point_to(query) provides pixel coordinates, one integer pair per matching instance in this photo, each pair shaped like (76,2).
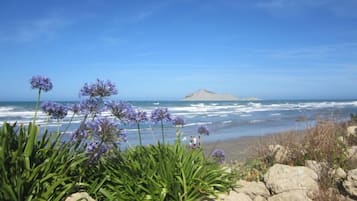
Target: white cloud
(34,29)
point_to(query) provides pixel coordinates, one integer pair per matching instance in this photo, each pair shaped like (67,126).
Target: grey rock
(297,195)
(351,131)
(315,166)
(284,178)
(350,184)
(79,196)
(253,189)
(338,174)
(352,153)
(279,153)
(234,196)
(260,198)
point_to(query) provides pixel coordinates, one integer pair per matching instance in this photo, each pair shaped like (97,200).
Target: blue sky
(164,50)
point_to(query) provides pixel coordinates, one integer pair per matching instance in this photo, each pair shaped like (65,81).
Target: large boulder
(283,178)
(297,195)
(260,198)
(234,196)
(350,184)
(79,196)
(253,189)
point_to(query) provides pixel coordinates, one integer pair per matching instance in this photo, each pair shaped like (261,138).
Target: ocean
(225,119)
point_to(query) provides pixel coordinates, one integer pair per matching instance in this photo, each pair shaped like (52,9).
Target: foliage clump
(35,164)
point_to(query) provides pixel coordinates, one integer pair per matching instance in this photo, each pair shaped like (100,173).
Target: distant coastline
(206,95)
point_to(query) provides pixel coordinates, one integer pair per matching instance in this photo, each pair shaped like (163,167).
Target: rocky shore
(300,183)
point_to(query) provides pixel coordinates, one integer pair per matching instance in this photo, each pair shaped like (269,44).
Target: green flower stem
(178,134)
(47,122)
(37,105)
(69,123)
(58,126)
(141,144)
(162,132)
(200,142)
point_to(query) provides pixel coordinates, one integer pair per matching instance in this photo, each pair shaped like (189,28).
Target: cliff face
(205,95)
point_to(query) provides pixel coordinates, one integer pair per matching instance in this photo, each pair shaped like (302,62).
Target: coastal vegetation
(328,148)
(37,164)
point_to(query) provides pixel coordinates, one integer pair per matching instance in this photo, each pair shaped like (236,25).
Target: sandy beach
(239,149)
(243,148)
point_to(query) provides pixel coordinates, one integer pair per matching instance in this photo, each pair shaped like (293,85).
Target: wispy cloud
(144,12)
(339,8)
(34,29)
(279,4)
(112,40)
(311,52)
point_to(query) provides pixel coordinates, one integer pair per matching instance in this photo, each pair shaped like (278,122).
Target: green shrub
(164,172)
(39,169)
(32,169)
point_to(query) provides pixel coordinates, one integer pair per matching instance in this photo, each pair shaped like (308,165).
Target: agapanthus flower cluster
(178,121)
(104,129)
(100,88)
(55,110)
(219,155)
(160,114)
(120,110)
(91,106)
(75,108)
(42,83)
(203,130)
(138,116)
(95,150)
(79,134)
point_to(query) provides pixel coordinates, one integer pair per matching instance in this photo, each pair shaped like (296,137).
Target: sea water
(225,119)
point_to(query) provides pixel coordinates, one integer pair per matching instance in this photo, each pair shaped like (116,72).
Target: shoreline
(243,148)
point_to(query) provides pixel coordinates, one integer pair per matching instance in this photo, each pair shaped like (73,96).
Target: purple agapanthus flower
(55,110)
(42,83)
(95,150)
(78,135)
(138,116)
(219,155)
(103,128)
(75,108)
(178,121)
(100,88)
(203,130)
(121,110)
(160,114)
(91,106)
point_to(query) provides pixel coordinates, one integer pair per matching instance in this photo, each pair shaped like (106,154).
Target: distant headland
(205,95)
